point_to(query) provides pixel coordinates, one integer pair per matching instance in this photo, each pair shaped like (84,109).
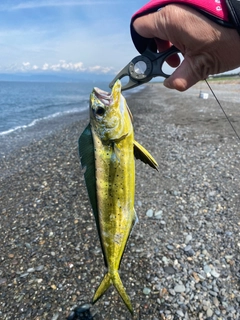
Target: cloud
(61,66)
(99,69)
(26,64)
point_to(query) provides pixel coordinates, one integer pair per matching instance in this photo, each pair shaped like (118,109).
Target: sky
(74,36)
(66,35)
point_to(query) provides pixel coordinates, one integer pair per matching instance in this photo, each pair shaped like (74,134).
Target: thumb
(191,70)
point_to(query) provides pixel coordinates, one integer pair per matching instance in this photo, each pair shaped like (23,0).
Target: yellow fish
(107,149)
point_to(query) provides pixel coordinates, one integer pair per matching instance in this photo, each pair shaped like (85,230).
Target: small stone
(189,251)
(196,277)
(51,234)
(188,238)
(165,260)
(215,274)
(55,316)
(179,288)
(213,293)
(184,219)
(169,270)
(172,292)
(209,312)
(39,268)
(3,281)
(202,276)
(39,280)
(180,313)
(205,253)
(158,215)
(216,302)
(53,286)
(170,247)
(139,203)
(31,270)
(146,291)
(206,304)
(207,269)
(163,292)
(24,275)
(187,248)
(149,213)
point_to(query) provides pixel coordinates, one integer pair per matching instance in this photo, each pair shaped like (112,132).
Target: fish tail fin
(113,278)
(104,285)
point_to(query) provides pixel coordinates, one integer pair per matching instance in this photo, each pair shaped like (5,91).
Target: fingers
(192,69)
(162,45)
(182,78)
(146,26)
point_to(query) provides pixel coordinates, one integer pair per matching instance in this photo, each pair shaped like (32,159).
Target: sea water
(23,104)
(30,110)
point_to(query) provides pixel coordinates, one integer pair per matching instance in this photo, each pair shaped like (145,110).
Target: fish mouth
(104,96)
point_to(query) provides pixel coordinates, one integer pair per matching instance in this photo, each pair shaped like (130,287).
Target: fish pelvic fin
(113,278)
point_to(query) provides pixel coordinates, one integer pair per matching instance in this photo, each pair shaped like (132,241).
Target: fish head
(109,114)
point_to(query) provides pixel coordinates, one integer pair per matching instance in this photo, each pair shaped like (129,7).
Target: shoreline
(42,128)
(182,258)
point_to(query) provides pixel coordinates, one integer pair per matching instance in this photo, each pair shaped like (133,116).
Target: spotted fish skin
(112,189)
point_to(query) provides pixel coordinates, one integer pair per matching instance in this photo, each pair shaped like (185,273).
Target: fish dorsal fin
(142,154)
(86,153)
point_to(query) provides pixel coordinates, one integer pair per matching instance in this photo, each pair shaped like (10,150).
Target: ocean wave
(35,121)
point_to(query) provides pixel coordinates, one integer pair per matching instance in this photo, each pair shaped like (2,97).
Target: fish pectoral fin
(142,154)
(113,278)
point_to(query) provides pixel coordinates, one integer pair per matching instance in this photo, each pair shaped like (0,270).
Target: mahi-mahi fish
(107,149)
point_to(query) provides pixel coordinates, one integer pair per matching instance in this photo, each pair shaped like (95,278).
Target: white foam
(35,121)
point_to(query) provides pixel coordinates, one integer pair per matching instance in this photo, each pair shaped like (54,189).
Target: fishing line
(223,110)
(225,116)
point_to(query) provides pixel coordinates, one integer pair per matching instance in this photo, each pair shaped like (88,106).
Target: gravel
(182,259)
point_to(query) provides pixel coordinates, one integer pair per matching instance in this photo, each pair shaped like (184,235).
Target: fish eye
(100,111)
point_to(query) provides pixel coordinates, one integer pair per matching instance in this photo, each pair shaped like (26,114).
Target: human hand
(207,47)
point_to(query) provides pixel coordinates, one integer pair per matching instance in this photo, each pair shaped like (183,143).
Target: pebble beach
(182,260)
